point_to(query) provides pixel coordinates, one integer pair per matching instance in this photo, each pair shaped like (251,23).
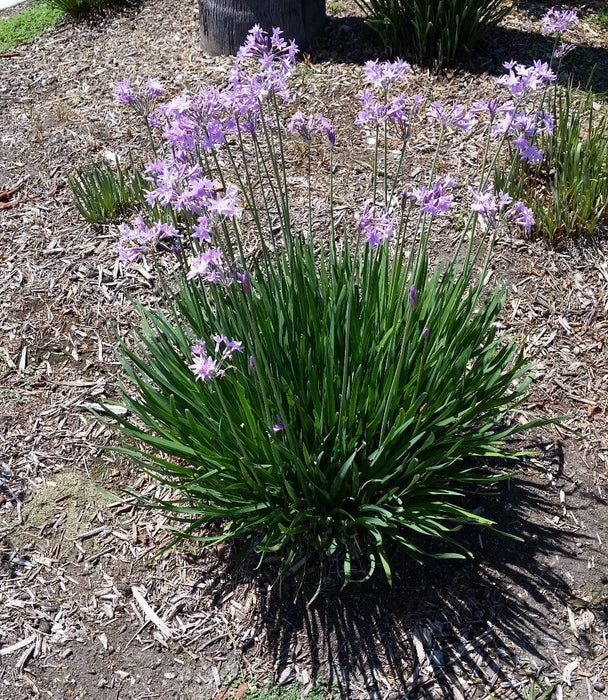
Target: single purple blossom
(205,367)
(521,79)
(153,89)
(201,229)
(209,265)
(227,204)
(269,50)
(413,297)
(372,110)
(123,93)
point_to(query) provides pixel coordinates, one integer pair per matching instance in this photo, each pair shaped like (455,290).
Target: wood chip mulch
(85,608)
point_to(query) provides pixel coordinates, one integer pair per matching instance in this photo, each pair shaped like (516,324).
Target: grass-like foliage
(568,188)
(77,8)
(103,193)
(330,393)
(558,144)
(27,25)
(602,18)
(433,31)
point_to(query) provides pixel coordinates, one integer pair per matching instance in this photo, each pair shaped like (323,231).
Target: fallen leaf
(591,410)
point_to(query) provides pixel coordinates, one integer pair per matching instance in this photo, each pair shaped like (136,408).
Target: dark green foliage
(382,424)
(433,31)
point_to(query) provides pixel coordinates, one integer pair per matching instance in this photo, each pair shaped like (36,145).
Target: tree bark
(225,23)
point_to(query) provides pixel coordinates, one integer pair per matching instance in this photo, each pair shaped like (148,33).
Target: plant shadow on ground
(499,605)
(349,40)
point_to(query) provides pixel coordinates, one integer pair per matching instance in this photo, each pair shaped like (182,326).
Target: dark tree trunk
(225,23)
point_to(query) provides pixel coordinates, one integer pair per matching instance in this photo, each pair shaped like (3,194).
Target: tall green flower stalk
(327,394)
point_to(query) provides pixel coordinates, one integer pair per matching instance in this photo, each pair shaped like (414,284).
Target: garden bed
(84,608)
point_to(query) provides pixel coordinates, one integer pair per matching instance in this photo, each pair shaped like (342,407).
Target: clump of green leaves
(602,18)
(331,395)
(433,31)
(79,7)
(568,190)
(102,193)
(27,25)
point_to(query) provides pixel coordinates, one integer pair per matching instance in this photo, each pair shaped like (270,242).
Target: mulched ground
(85,611)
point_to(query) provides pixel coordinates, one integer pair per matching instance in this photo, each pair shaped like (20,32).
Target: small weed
(335,6)
(26,26)
(602,18)
(291,693)
(78,8)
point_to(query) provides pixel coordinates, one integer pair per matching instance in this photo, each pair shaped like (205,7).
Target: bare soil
(85,608)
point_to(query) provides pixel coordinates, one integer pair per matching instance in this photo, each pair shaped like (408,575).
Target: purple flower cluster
(451,115)
(558,21)
(384,75)
(209,265)
(397,111)
(139,238)
(522,79)
(494,208)
(201,122)
(433,200)
(376,225)
(141,100)
(522,127)
(206,367)
(268,49)
(310,126)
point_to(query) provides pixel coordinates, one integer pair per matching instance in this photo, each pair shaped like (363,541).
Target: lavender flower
(558,21)
(201,230)
(206,367)
(489,205)
(227,204)
(562,49)
(521,79)
(451,115)
(376,224)
(139,238)
(143,100)
(372,110)
(268,50)
(208,265)
(153,89)
(124,94)
(522,216)
(310,126)
(383,75)
(434,200)
(413,297)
